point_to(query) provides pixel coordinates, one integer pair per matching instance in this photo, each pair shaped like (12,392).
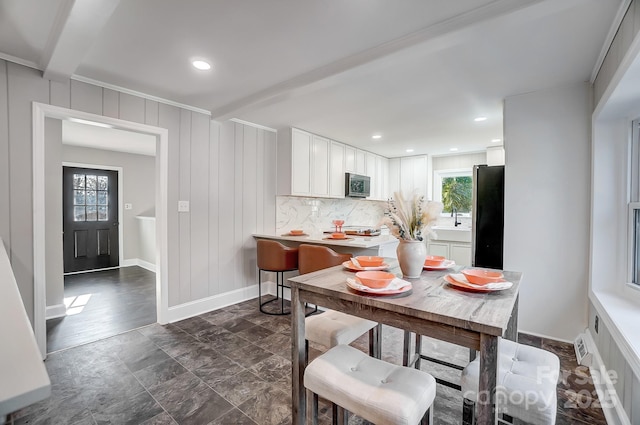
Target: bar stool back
(277,258)
(333,328)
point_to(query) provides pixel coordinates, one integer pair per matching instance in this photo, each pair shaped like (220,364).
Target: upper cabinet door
(349,159)
(300,162)
(320,166)
(336,170)
(361,165)
(372,172)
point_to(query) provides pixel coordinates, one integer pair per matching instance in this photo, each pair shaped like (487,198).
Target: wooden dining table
(432,308)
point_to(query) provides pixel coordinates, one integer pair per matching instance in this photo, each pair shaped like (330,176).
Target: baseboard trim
(611,404)
(55,311)
(140,263)
(205,305)
(555,338)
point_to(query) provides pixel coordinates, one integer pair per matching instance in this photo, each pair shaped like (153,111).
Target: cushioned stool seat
(373,389)
(526,386)
(333,328)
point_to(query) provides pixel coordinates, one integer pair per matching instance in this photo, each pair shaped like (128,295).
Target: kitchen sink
(455,234)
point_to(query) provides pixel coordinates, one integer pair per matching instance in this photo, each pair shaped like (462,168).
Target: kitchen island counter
(383,245)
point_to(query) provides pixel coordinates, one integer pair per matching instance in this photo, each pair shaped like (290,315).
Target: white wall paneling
(187,151)
(199,207)
(131,108)
(24,86)
(548,153)
(249,209)
(227,194)
(184,194)
(214,208)
(5,206)
(169,118)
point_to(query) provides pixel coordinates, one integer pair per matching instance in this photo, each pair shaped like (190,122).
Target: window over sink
(454,188)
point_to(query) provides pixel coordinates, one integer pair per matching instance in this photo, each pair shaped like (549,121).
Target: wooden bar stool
(333,328)
(377,391)
(277,258)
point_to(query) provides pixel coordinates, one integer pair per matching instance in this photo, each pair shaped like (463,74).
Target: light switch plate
(183,206)
(128,206)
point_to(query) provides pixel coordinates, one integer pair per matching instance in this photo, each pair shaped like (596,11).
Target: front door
(90,219)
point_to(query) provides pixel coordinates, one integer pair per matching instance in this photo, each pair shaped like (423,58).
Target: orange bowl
(338,235)
(482,276)
(370,261)
(375,279)
(434,260)
(296,232)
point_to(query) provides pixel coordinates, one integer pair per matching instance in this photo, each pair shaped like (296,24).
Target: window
(454,188)
(90,197)
(634,207)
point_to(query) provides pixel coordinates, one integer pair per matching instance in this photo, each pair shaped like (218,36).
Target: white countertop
(23,377)
(357,241)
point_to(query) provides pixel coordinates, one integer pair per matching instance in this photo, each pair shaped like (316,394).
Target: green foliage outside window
(456,193)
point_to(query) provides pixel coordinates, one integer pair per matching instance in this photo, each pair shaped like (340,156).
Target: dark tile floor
(232,366)
(104,303)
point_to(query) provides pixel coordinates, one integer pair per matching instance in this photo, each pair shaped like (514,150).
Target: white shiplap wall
(226,170)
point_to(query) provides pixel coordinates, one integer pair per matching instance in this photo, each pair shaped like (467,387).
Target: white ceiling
(416,71)
(111,139)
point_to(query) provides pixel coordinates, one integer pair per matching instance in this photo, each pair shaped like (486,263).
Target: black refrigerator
(487,224)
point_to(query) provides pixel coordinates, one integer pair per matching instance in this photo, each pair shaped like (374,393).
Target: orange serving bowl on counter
(370,261)
(296,232)
(375,279)
(338,235)
(434,260)
(482,276)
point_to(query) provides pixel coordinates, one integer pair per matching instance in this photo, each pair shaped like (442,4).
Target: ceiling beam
(293,86)
(75,29)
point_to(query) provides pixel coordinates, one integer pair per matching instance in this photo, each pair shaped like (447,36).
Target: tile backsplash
(314,215)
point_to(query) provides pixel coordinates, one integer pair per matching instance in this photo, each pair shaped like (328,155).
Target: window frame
(439,175)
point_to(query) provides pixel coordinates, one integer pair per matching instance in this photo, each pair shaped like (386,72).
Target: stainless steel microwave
(357,186)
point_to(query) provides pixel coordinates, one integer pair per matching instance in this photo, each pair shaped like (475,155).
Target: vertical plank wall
(226,170)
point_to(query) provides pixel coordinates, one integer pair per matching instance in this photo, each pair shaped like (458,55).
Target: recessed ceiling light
(377,136)
(496,140)
(479,119)
(409,150)
(201,65)
(93,123)
(453,149)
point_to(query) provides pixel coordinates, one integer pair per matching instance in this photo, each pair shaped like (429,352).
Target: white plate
(349,265)
(446,264)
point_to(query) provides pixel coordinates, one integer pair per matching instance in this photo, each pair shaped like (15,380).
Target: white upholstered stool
(373,389)
(526,386)
(333,328)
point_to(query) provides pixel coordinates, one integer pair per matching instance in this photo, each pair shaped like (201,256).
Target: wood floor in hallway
(102,304)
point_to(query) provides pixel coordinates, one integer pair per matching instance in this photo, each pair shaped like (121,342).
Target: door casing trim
(42,111)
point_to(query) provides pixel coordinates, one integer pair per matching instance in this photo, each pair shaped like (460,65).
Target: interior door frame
(120,202)
(42,111)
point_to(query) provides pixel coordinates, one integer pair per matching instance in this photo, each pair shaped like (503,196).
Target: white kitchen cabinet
(300,162)
(394,176)
(460,253)
(337,169)
(438,248)
(349,159)
(372,171)
(384,178)
(409,173)
(320,166)
(361,163)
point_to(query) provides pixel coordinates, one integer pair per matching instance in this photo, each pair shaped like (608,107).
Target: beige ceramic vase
(411,256)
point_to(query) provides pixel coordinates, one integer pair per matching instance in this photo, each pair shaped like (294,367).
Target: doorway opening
(47,253)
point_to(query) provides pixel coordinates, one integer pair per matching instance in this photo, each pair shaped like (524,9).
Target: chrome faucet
(456,223)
